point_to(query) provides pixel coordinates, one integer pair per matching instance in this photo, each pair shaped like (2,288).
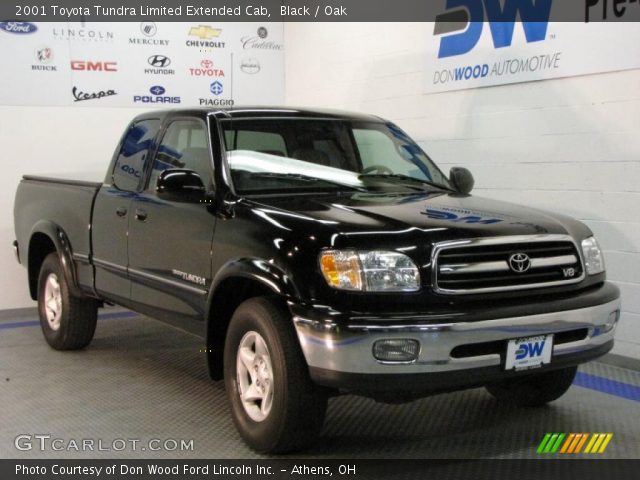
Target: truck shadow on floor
(461,424)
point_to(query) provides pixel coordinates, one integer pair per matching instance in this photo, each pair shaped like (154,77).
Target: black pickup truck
(317,253)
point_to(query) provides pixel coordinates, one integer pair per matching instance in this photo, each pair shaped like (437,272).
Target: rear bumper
(339,352)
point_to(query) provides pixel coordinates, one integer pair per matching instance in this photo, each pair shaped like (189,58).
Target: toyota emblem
(519,262)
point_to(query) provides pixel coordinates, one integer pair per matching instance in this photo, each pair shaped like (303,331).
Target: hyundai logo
(157,90)
(160,61)
(519,262)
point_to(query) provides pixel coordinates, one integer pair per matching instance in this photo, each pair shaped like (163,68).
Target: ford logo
(18,27)
(157,90)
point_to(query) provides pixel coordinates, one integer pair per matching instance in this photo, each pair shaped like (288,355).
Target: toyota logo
(519,262)
(159,61)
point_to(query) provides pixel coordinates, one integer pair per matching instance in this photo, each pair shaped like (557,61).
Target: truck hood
(444,216)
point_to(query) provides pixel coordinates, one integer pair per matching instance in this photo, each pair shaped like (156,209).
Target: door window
(184,146)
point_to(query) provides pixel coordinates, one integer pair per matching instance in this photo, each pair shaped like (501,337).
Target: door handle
(141,214)
(121,211)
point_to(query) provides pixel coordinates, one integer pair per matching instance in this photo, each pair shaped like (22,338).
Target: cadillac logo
(519,262)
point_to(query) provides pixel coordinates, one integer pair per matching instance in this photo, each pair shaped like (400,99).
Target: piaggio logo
(94,66)
(573,443)
(468,16)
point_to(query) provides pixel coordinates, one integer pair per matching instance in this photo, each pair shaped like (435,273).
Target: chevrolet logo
(205,32)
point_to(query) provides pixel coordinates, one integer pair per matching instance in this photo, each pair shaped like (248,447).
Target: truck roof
(261,111)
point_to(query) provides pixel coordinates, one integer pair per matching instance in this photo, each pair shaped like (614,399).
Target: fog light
(611,323)
(400,350)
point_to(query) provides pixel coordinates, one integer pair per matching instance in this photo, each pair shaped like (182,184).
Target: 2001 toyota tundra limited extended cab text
(317,253)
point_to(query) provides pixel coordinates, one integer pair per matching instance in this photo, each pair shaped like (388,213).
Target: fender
(269,276)
(61,241)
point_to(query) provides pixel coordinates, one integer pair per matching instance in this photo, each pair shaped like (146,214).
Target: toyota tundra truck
(316,253)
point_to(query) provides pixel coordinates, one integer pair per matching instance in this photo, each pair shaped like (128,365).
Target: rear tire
(534,390)
(68,322)
(274,404)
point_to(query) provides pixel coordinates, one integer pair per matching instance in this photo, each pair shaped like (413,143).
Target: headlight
(593,259)
(371,271)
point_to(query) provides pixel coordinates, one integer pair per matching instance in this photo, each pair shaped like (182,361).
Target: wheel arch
(237,281)
(47,237)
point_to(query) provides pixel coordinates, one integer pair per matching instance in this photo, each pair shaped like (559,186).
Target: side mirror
(461,179)
(180,184)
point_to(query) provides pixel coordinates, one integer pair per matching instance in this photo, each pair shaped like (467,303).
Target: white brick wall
(571,145)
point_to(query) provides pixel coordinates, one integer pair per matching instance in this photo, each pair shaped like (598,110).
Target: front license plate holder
(529,352)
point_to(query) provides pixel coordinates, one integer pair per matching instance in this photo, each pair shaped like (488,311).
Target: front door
(170,239)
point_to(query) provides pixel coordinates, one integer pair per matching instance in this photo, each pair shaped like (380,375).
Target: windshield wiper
(405,178)
(300,177)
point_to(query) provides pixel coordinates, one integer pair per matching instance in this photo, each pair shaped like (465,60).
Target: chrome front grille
(505,263)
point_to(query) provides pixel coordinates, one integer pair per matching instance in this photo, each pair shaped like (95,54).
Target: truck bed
(66,205)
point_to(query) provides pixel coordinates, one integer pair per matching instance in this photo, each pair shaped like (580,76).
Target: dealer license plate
(529,352)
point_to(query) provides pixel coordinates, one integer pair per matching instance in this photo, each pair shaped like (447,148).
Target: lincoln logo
(519,262)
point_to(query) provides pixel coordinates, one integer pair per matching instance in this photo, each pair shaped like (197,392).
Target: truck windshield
(268,156)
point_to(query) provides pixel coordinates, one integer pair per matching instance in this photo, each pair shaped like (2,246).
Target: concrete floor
(140,379)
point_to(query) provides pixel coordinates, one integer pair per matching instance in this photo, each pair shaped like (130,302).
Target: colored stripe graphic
(574,443)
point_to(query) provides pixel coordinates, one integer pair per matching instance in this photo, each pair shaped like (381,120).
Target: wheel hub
(255,376)
(53,301)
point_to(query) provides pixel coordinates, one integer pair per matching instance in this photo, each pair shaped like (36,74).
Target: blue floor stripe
(35,323)
(605,385)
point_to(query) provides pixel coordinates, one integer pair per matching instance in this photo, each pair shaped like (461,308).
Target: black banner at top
(449,14)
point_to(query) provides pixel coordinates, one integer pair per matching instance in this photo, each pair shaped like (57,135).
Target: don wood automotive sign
(480,43)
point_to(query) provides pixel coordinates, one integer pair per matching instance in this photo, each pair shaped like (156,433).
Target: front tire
(534,390)
(68,322)
(274,404)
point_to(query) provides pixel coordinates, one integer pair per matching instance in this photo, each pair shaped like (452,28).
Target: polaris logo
(468,16)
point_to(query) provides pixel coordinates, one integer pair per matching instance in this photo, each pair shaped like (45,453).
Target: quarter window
(129,167)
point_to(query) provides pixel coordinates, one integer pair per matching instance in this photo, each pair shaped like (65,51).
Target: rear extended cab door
(170,237)
(112,210)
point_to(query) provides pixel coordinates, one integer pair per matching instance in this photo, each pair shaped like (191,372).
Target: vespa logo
(529,350)
(468,17)
(519,262)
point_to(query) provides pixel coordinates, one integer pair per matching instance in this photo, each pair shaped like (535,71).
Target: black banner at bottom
(543,469)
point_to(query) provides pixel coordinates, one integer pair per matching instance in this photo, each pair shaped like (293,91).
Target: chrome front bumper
(349,348)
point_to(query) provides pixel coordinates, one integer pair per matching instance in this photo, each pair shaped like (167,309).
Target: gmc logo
(94,66)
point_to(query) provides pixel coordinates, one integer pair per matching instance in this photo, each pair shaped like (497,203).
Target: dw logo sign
(469,15)
(529,350)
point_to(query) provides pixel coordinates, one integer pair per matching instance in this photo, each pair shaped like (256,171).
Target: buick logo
(159,61)
(519,262)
